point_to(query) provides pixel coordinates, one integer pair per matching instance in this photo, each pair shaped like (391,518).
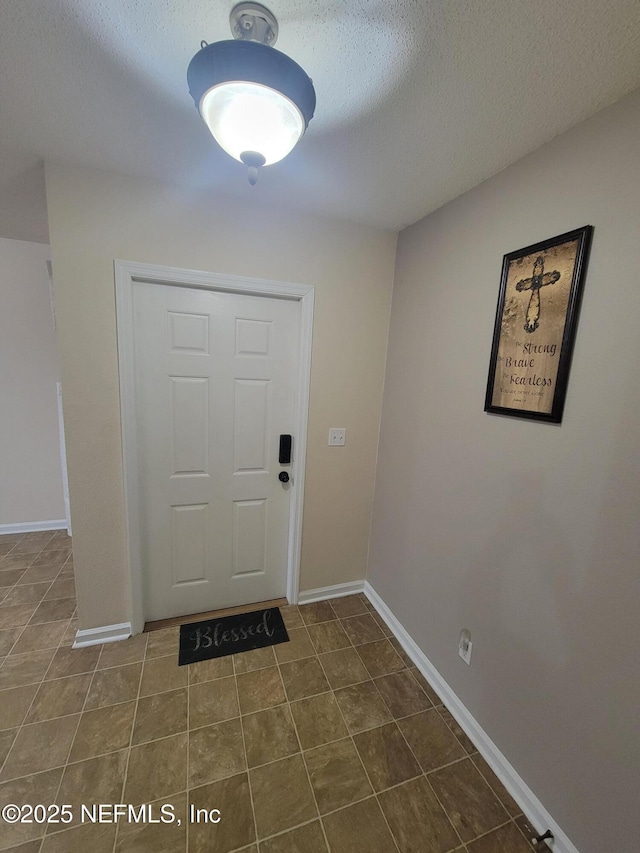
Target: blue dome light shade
(252,98)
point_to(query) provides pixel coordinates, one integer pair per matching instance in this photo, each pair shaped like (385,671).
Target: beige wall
(95,217)
(30,468)
(525,533)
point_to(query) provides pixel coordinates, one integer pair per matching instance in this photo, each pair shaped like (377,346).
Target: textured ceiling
(417,100)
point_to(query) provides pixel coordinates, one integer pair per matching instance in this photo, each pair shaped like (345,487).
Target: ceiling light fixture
(255,100)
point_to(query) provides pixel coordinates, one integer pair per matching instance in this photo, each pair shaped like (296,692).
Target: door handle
(283,477)
(284,456)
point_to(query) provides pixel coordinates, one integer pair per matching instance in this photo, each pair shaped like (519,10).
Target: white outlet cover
(337,436)
(465,653)
(465,646)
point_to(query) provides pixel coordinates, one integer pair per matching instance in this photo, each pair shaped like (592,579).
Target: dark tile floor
(331,742)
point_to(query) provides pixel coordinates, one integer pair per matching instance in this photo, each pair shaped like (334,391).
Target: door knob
(283,477)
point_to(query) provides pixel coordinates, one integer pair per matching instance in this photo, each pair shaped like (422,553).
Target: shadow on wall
(562,658)
(23,203)
(606,665)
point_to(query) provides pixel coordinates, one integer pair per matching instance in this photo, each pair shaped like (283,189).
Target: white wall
(95,217)
(30,471)
(526,533)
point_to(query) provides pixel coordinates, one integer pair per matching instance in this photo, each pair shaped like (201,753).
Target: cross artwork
(539,279)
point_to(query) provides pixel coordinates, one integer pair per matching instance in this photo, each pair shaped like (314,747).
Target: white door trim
(126,274)
(63,459)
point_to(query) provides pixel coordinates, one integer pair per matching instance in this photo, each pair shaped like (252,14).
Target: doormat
(229,635)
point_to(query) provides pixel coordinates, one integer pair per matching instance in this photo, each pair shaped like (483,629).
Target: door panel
(189,425)
(250,426)
(249,537)
(189,543)
(215,388)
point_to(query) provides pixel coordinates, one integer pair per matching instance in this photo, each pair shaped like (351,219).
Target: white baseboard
(34,526)
(336,591)
(531,806)
(106,634)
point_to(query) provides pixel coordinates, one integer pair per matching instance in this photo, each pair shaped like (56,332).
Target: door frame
(127,273)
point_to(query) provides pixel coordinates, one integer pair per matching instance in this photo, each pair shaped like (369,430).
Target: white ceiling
(418,100)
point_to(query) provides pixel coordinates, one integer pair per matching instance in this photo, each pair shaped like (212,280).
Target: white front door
(215,384)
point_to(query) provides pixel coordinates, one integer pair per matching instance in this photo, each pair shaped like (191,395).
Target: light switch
(337,436)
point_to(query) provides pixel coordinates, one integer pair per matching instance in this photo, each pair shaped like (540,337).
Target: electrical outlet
(337,437)
(465,646)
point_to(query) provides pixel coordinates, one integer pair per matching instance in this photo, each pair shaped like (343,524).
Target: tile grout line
(357,752)
(29,562)
(36,604)
(353,743)
(422,774)
(257,766)
(495,793)
(246,754)
(304,763)
(79,717)
(285,831)
(63,716)
(488,832)
(24,723)
(425,775)
(451,764)
(17,583)
(133,726)
(288,702)
(522,832)
(22,627)
(330,690)
(42,679)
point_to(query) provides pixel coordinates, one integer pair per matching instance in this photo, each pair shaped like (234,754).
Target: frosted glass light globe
(245,116)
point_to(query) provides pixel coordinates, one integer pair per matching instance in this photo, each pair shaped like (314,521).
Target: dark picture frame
(538,305)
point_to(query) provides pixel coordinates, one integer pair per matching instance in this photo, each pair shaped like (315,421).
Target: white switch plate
(337,437)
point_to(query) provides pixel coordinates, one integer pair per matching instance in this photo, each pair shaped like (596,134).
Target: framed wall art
(535,327)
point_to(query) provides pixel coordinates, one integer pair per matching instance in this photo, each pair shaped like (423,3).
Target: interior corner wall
(526,533)
(30,467)
(95,217)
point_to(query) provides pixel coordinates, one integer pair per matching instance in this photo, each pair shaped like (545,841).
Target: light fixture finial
(253,160)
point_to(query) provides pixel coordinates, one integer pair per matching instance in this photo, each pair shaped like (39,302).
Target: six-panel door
(215,388)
